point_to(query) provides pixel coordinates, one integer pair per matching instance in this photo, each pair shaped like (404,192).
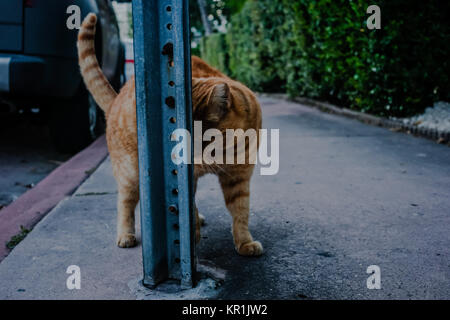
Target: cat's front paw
(253,248)
(126,240)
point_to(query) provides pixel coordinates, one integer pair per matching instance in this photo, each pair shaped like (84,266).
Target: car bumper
(38,76)
(4,73)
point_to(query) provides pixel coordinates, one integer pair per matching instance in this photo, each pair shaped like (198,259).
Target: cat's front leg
(236,191)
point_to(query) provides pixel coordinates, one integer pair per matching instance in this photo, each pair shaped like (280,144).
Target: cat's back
(200,69)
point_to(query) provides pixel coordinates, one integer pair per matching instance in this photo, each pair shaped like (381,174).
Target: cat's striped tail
(93,76)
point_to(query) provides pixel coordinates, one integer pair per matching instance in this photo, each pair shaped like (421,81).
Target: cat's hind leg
(236,191)
(127,200)
(199,218)
(127,178)
(197,225)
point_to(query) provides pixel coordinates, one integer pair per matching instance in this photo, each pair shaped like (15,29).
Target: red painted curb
(33,205)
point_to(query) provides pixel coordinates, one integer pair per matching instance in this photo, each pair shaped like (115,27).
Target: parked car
(39,65)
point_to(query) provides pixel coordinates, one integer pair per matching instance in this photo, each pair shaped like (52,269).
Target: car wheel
(75,123)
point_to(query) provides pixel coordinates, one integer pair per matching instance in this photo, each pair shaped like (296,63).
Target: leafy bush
(214,49)
(323,49)
(254,48)
(398,70)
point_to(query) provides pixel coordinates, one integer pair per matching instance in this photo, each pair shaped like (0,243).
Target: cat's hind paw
(126,240)
(201,219)
(253,248)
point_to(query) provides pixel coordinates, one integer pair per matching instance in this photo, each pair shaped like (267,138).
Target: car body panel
(38,55)
(11,12)
(11,26)
(11,38)
(34,76)
(45,29)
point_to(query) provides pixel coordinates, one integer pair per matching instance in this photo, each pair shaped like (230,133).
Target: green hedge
(214,50)
(254,45)
(323,49)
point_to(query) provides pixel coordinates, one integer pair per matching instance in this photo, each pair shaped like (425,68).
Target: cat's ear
(218,102)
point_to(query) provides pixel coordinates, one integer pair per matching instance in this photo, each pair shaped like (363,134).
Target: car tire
(76,122)
(119,77)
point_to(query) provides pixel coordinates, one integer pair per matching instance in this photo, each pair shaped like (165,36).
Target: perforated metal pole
(163,104)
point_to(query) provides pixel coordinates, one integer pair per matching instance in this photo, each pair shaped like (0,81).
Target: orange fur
(217,100)
(200,69)
(95,80)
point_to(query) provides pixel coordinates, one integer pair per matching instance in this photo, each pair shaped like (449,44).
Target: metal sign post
(163,104)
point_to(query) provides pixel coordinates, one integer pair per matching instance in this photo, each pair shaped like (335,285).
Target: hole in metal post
(175,191)
(169,26)
(174,172)
(168,51)
(168,8)
(170,102)
(176,241)
(176,226)
(173,120)
(177,260)
(173,208)
(171,83)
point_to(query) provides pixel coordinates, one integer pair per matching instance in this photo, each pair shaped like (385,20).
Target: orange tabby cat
(217,101)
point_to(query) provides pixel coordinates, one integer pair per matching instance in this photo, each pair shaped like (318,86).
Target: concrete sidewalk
(347,196)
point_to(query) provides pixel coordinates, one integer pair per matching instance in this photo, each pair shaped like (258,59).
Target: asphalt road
(347,196)
(26,154)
